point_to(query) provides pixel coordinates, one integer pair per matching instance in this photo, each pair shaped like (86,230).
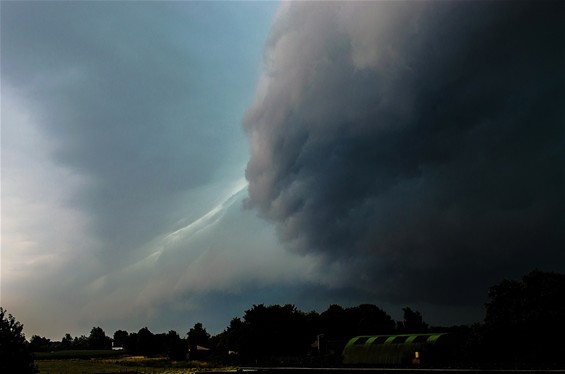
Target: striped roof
(395,339)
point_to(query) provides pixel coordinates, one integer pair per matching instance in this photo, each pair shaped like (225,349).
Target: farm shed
(401,349)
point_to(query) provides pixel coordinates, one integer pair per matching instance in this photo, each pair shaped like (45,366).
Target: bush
(15,356)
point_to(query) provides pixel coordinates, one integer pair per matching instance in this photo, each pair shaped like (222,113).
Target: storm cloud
(417,146)
(406,153)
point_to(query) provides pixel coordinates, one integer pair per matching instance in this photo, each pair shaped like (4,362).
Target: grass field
(128,364)
(76,354)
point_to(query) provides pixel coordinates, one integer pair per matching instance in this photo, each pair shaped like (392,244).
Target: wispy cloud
(211,217)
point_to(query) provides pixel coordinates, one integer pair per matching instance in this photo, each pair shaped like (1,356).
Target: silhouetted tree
(198,336)
(176,346)
(368,319)
(130,343)
(145,342)
(39,344)
(67,341)
(15,356)
(334,324)
(274,331)
(523,319)
(234,338)
(80,342)
(120,337)
(98,339)
(412,323)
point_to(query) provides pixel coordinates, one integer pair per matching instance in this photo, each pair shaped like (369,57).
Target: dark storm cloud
(419,145)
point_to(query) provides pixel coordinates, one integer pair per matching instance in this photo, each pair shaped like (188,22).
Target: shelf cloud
(417,144)
(167,163)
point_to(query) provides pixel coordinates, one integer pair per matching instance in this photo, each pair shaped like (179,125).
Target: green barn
(393,350)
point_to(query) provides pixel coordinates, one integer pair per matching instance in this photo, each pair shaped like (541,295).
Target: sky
(167,163)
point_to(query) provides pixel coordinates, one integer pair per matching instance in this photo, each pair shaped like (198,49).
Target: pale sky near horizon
(167,163)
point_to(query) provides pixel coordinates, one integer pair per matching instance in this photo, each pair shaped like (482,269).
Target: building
(397,350)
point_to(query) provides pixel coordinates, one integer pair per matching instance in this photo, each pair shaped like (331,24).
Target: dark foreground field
(142,365)
(109,362)
(386,371)
(125,364)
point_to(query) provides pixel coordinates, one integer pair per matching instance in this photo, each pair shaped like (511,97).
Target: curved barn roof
(387,349)
(395,339)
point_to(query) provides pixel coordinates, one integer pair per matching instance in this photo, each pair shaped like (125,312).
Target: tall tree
(198,336)
(67,341)
(15,356)
(39,344)
(120,337)
(523,319)
(341,324)
(145,344)
(81,342)
(276,330)
(98,339)
(334,324)
(413,322)
(234,337)
(176,346)
(368,319)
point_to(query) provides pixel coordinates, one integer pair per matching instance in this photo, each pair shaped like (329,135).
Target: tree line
(288,331)
(521,326)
